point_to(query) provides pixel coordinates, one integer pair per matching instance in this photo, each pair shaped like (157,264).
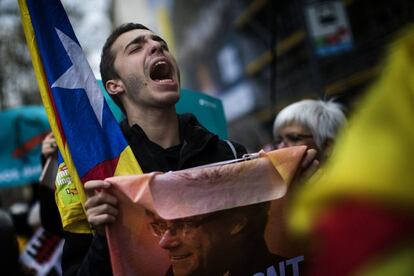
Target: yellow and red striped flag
(361,209)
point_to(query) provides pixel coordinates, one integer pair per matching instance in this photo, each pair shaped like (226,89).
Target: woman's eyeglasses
(292,138)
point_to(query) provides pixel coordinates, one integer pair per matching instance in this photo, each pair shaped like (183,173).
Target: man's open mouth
(161,71)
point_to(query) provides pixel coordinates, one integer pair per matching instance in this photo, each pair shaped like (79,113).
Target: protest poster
(207,220)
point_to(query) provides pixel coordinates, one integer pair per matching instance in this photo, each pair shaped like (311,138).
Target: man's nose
(169,240)
(155,47)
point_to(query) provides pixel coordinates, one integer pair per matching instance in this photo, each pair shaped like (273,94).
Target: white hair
(322,118)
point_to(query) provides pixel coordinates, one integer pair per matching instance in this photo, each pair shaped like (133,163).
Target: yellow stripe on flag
(127,163)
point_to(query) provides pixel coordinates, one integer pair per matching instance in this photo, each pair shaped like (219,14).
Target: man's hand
(101,207)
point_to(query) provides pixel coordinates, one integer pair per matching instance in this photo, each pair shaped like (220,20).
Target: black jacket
(85,254)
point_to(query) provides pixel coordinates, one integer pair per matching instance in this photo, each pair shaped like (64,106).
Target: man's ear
(115,87)
(239,222)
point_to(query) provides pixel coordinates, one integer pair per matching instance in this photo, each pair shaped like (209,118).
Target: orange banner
(208,220)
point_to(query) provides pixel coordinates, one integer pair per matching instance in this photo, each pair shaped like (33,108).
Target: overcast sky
(90,20)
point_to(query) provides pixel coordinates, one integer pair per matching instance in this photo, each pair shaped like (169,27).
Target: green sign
(208,110)
(22,132)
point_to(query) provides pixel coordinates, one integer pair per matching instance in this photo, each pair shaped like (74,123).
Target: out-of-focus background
(257,56)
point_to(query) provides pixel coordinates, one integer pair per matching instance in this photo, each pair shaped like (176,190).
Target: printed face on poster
(206,220)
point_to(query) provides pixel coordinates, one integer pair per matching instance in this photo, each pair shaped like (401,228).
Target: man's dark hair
(258,217)
(107,58)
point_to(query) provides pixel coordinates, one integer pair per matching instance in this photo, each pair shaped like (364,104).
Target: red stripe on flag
(101,171)
(353,233)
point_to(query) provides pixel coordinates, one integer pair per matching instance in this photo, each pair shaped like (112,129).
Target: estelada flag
(87,134)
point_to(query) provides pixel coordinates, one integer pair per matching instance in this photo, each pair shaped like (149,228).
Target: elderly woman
(313,123)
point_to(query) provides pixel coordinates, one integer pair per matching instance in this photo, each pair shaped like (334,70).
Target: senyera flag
(87,134)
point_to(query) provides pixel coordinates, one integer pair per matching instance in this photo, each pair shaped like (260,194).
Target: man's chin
(165,86)
(188,269)
(187,264)
(168,102)
(184,268)
(169,99)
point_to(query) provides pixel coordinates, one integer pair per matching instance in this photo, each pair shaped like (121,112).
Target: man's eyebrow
(158,38)
(138,40)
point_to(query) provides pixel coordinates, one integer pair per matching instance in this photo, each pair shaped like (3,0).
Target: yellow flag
(374,157)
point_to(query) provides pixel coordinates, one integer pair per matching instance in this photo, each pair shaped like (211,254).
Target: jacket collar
(193,136)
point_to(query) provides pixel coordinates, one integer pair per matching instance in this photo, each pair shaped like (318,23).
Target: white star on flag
(79,75)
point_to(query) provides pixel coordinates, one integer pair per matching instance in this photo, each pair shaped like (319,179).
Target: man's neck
(160,126)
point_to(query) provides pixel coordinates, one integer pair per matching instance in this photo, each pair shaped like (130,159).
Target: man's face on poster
(197,245)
